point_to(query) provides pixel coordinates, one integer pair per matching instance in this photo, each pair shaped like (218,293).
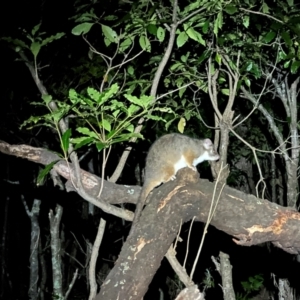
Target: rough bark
(112,193)
(226,274)
(237,214)
(248,219)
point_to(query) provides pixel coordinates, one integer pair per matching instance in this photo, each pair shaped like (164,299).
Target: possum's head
(208,152)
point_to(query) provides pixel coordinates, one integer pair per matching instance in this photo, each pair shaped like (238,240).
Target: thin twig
(263,14)
(212,209)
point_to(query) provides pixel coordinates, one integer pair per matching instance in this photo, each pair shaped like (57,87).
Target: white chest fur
(201,158)
(181,163)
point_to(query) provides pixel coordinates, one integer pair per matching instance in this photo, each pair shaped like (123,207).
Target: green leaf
(144,43)
(181,39)
(57,115)
(115,105)
(204,56)
(152,29)
(168,124)
(125,44)
(65,140)
(144,101)
(116,112)
(130,128)
(249,66)
(221,79)
(133,99)
(82,141)
(44,172)
(86,131)
(86,17)
(111,18)
(218,59)
(286,64)
(85,101)
(106,125)
(73,96)
(181,92)
(160,34)
(82,28)
(181,124)
(184,58)
(205,27)
(155,118)
(225,92)
(256,70)
(230,9)
(100,146)
(195,35)
(295,66)
(269,37)
(35,29)
(164,109)
(247,82)
(216,29)
(191,7)
(231,36)
(16,42)
(35,48)
(94,94)
(282,55)
(287,39)
(265,8)
(218,23)
(109,33)
(47,98)
(176,66)
(109,93)
(188,114)
(107,42)
(130,70)
(52,38)
(110,134)
(133,109)
(246,21)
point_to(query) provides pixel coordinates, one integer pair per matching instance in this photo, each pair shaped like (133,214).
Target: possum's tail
(138,210)
(146,189)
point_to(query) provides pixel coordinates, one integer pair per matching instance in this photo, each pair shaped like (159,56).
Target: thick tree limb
(248,219)
(251,220)
(112,193)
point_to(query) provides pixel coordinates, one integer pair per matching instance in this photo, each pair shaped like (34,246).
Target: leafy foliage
(102,118)
(252,285)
